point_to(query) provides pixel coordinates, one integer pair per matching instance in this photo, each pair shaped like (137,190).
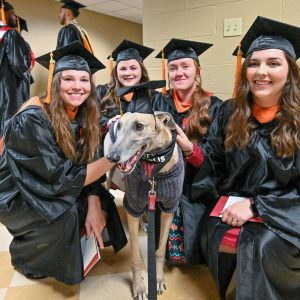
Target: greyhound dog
(139,135)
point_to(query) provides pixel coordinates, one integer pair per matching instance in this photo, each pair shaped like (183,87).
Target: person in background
(253,153)
(49,168)
(21,24)
(71,31)
(193,109)
(129,70)
(14,66)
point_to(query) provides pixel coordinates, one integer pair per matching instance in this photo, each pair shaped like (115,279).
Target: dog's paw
(161,286)
(139,291)
(138,287)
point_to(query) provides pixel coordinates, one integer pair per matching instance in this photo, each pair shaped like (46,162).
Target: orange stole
(264,115)
(181,107)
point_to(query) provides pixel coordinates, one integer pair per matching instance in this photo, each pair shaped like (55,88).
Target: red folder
(221,204)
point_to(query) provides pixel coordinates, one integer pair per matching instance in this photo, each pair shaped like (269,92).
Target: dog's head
(138,133)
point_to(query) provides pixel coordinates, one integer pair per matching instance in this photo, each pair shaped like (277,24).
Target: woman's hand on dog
(182,140)
(95,220)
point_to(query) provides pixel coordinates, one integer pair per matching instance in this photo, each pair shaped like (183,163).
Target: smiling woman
(51,159)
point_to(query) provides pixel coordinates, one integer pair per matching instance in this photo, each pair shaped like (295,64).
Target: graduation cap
(270,34)
(74,56)
(264,34)
(21,24)
(176,49)
(4,6)
(141,102)
(130,50)
(73,6)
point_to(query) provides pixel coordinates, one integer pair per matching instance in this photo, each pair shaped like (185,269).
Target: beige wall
(202,20)
(42,19)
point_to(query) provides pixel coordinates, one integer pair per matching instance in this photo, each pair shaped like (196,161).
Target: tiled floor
(110,279)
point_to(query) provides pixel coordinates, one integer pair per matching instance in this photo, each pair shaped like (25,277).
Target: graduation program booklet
(226,201)
(90,252)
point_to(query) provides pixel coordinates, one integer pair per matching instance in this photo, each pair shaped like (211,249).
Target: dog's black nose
(113,157)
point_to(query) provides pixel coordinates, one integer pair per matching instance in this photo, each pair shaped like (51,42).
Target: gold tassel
(110,65)
(163,70)
(50,78)
(238,70)
(3,17)
(18,25)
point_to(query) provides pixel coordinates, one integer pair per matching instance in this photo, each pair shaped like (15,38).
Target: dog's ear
(166,119)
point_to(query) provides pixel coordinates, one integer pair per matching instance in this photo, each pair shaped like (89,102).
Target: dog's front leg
(138,287)
(165,223)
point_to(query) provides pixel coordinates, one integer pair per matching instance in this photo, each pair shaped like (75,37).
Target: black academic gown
(43,201)
(191,212)
(68,34)
(268,257)
(14,83)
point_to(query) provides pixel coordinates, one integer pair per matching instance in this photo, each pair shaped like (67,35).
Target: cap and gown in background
(42,190)
(21,24)
(14,68)
(71,31)
(257,172)
(126,50)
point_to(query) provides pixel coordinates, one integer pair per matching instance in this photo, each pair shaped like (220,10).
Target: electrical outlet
(233,27)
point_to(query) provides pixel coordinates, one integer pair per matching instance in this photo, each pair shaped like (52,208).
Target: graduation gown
(268,257)
(188,214)
(68,34)
(14,82)
(43,201)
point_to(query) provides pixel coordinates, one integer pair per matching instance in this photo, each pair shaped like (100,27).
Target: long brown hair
(111,99)
(89,115)
(198,120)
(285,136)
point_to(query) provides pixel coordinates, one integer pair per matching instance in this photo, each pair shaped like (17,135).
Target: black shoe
(34,276)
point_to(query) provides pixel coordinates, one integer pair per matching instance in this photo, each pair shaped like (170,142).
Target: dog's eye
(139,127)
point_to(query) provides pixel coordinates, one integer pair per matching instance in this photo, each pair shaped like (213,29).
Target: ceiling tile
(108,6)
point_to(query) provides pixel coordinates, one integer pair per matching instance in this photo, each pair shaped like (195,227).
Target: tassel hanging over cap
(18,25)
(50,78)
(3,17)
(163,70)
(238,70)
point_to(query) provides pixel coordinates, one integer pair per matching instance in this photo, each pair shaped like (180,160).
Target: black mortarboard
(7,6)
(74,56)
(130,50)
(141,102)
(72,5)
(22,24)
(177,49)
(270,34)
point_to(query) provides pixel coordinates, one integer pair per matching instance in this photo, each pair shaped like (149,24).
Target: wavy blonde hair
(285,136)
(198,120)
(89,115)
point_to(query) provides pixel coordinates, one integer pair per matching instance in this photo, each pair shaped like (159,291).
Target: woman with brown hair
(51,157)
(193,109)
(252,157)
(128,71)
